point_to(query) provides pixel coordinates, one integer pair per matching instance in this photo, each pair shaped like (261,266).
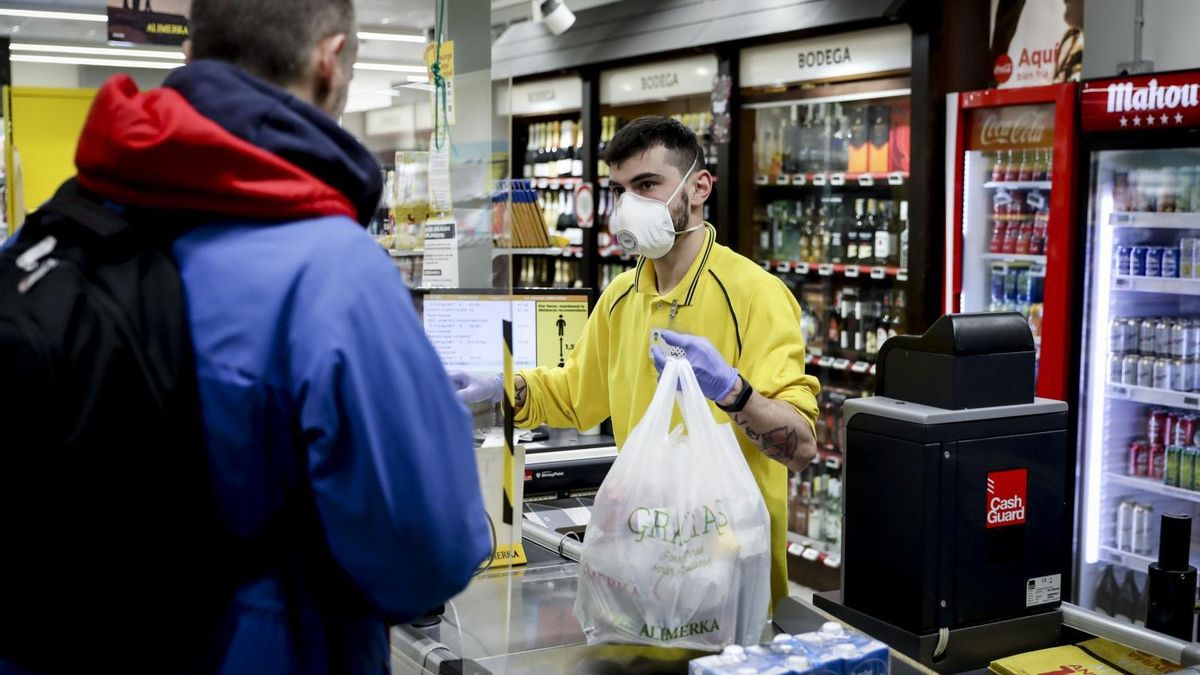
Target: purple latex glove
(474,389)
(716,377)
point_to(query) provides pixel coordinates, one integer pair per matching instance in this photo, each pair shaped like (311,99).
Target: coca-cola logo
(1027,128)
(1003,69)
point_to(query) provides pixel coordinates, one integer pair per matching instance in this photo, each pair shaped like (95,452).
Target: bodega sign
(1163,101)
(1006,494)
(657,81)
(875,51)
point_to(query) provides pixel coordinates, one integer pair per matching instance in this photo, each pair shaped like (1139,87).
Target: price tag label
(802,268)
(852,271)
(811,554)
(866,180)
(761,179)
(837,179)
(1122,282)
(878,272)
(902,275)
(1118,391)
(861,367)
(799,179)
(783,179)
(767,265)
(820,179)
(832,561)
(795,549)
(841,364)
(825,269)
(554,184)
(1035,199)
(543,183)
(783,267)
(896,178)
(1191,401)
(1120,219)
(825,361)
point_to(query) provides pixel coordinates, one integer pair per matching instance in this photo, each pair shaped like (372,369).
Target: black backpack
(111,547)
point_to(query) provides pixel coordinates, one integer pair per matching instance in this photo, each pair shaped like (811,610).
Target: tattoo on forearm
(779,444)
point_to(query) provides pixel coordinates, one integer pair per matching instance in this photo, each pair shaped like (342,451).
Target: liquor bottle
(866,234)
(860,333)
(567,149)
(555,152)
(530,152)
(857,160)
(816,513)
(824,234)
(846,338)
(1143,605)
(878,160)
(885,322)
(885,236)
(897,324)
(764,146)
(1127,599)
(900,137)
(808,139)
(832,529)
(871,330)
(793,151)
(852,231)
(1106,592)
(803,506)
(812,234)
(903,258)
(542,169)
(792,242)
(823,140)
(777,154)
(838,148)
(834,334)
(577,157)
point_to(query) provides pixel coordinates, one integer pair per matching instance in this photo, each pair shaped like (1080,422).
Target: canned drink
(1156,426)
(1116,368)
(1162,337)
(1179,336)
(1171,467)
(1145,373)
(1181,379)
(1130,328)
(1129,369)
(1140,529)
(1123,258)
(1163,368)
(1137,260)
(1146,335)
(1125,525)
(1187,467)
(1185,430)
(1187,375)
(1186,247)
(1193,338)
(1154,258)
(1139,459)
(1116,337)
(1158,461)
(1169,429)
(1170,262)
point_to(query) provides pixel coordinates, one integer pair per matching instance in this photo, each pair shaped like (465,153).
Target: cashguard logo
(1006,495)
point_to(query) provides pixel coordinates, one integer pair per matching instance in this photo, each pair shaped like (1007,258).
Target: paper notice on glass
(439,181)
(444,55)
(441,254)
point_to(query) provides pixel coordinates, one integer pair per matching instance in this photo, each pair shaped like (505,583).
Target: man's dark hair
(272,39)
(647,132)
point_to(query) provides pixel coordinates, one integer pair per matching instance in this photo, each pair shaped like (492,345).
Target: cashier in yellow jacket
(738,325)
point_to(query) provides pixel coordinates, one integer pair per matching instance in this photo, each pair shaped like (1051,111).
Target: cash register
(955,498)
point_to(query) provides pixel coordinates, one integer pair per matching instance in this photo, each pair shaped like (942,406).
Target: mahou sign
(1016,127)
(1149,102)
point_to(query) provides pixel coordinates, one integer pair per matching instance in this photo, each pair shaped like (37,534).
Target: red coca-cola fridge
(1010,230)
(1139,408)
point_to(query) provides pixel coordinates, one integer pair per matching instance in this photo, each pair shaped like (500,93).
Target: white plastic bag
(678,547)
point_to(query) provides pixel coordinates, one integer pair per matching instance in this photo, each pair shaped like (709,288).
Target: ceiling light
(97,51)
(390,67)
(84,61)
(43,14)
(391,37)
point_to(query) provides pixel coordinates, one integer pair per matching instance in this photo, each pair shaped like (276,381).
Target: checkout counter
(520,620)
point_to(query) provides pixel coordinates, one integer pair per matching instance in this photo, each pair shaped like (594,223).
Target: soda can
(1116,337)
(1196,256)
(1130,328)
(1186,369)
(1169,428)
(1145,373)
(1193,338)
(1187,467)
(1179,336)
(1170,262)
(1129,369)
(1146,335)
(1186,267)
(1162,337)
(1125,525)
(1181,379)
(1137,261)
(1171,467)
(1139,459)
(1163,368)
(1156,426)
(1123,259)
(1154,258)
(1115,368)
(1140,529)
(1185,430)
(1157,461)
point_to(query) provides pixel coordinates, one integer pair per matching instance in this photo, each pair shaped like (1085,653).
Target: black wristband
(740,402)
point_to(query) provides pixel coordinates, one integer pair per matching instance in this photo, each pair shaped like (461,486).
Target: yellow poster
(444,55)
(559,325)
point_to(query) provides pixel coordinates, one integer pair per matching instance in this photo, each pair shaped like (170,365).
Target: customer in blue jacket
(310,357)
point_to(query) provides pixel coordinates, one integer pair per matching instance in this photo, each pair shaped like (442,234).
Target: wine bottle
(852,242)
(866,233)
(884,250)
(903,225)
(1106,592)
(1127,599)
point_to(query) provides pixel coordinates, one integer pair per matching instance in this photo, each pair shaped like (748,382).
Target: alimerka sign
(1162,101)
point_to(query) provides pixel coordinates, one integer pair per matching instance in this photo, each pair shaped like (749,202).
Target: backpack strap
(72,203)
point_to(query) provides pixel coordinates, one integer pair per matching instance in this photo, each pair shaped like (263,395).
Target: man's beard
(679,215)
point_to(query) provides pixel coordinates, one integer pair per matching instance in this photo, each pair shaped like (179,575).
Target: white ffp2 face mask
(643,226)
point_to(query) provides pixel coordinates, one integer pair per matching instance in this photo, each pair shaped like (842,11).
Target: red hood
(155,150)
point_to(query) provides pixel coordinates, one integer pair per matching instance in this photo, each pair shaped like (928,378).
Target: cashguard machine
(955,506)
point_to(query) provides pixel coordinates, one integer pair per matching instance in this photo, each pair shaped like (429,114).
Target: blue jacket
(320,392)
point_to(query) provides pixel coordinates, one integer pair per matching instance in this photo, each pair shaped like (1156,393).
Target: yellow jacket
(747,313)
